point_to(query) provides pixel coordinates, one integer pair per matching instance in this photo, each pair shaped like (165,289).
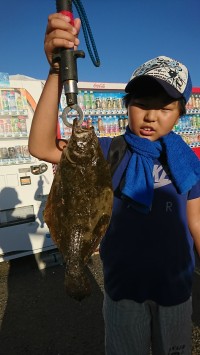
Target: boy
(147,252)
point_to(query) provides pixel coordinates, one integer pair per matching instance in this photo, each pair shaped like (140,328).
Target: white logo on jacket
(161,176)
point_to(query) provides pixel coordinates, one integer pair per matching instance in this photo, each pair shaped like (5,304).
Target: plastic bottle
(116,126)
(119,102)
(109,103)
(104,101)
(187,122)
(2,132)
(8,127)
(106,126)
(4,98)
(197,103)
(92,100)
(23,128)
(11,101)
(198,121)
(19,103)
(95,124)
(80,100)
(86,97)
(100,126)
(111,126)
(195,122)
(89,122)
(114,103)
(121,124)
(97,103)
(193,101)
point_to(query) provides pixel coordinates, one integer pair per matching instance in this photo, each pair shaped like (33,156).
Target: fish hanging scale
(67,59)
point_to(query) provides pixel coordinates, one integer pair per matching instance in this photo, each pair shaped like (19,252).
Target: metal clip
(65,115)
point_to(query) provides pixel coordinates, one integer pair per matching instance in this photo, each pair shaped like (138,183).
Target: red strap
(70,15)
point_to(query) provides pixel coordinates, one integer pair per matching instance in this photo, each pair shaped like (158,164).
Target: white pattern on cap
(167,70)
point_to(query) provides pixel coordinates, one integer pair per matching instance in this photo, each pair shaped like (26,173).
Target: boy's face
(152,117)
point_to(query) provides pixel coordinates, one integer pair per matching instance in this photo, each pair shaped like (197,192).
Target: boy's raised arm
(42,140)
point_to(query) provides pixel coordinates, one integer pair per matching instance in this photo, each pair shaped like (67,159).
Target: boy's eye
(141,105)
(165,109)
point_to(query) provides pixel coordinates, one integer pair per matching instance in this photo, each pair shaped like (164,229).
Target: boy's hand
(60,33)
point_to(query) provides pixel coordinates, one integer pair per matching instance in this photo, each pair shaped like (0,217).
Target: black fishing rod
(67,58)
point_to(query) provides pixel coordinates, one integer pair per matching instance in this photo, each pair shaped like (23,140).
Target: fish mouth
(81,131)
(81,134)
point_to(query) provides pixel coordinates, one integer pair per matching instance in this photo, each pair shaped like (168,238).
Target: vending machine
(24,180)
(103,108)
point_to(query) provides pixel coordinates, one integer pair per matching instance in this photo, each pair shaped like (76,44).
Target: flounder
(79,206)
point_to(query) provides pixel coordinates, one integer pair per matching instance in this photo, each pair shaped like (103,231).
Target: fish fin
(77,284)
(98,234)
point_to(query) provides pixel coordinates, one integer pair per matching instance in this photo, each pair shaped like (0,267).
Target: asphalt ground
(37,318)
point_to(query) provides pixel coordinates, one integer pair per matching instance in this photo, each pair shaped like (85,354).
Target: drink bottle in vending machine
(103,108)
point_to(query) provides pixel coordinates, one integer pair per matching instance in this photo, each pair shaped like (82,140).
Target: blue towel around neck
(183,164)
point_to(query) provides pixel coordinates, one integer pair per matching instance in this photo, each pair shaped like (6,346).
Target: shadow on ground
(38,318)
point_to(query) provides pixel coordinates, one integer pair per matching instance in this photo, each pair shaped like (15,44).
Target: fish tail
(77,284)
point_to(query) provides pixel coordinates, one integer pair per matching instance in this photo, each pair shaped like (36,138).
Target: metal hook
(66,111)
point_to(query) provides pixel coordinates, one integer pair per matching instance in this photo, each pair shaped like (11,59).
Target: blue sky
(127,33)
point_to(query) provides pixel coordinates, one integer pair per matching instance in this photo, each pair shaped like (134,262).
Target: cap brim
(146,83)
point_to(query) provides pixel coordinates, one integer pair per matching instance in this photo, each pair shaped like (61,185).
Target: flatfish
(79,206)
